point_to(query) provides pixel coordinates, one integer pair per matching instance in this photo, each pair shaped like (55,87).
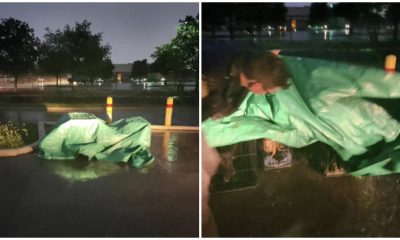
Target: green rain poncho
(325,102)
(126,140)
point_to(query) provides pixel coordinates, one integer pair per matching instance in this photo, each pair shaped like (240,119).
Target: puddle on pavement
(170,148)
(164,146)
(170,151)
(82,170)
(300,202)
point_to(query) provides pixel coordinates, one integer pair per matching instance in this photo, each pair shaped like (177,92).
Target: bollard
(390,63)
(109,108)
(168,111)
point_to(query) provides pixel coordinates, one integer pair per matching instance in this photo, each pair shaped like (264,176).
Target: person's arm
(276,51)
(271,147)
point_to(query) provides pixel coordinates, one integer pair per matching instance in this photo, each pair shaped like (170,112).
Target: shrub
(12,134)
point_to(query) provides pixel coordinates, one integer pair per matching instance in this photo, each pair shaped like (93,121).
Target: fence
(8,86)
(304,35)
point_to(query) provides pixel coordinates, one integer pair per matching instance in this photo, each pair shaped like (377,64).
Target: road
(79,198)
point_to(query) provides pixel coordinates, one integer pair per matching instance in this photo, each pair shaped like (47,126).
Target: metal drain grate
(244,166)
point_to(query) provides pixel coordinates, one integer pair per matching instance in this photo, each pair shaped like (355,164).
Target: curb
(157,127)
(174,128)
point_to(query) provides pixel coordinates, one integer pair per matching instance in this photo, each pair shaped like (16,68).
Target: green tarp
(324,102)
(126,140)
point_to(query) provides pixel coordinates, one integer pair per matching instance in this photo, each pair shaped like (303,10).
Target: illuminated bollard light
(390,63)
(168,111)
(109,108)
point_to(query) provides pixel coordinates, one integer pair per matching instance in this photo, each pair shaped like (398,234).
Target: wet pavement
(300,202)
(182,115)
(79,198)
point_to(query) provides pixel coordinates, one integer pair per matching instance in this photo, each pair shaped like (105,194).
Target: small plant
(12,134)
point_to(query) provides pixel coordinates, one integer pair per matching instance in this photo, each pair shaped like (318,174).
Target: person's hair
(263,67)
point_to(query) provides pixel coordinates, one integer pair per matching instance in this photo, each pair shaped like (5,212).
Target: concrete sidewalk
(40,198)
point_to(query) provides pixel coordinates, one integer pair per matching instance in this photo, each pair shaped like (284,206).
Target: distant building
(297,17)
(122,72)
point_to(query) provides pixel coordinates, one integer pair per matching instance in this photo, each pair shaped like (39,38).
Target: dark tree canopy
(18,48)
(55,57)
(167,59)
(372,16)
(79,52)
(213,16)
(319,13)
(181,55)
(187,39)
(349,11)
(257,15)
(393,15)
(223,14)
(249,16)
(140,69)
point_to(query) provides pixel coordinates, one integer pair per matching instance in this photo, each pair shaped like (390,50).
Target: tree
(213,16)
(106,68)
(219,14)
(368,14)
(187,40)
(277,14)
(181,55)
(392,14)
(249,16)
(55,57)
(168,61)
(78,51)
(253,16)
(90,59)
(257,15)
(372,15)
(18,48)
(349,11)
(319,13)
(140,69)
(232,10)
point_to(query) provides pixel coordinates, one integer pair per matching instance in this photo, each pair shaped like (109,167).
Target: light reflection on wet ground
(97,199)
(299,202)
(82,170)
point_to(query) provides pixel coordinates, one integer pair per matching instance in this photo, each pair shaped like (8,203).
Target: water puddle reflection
(82,170)
(170,151)
(170,146)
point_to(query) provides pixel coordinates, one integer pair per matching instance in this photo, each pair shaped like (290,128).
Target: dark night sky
(132,29)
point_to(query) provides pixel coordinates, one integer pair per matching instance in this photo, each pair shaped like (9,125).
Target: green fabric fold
(126,140)
(324,102)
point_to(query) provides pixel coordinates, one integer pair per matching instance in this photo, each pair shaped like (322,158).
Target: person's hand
(217,115)
(204,89)
(271,147)
(276,51)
